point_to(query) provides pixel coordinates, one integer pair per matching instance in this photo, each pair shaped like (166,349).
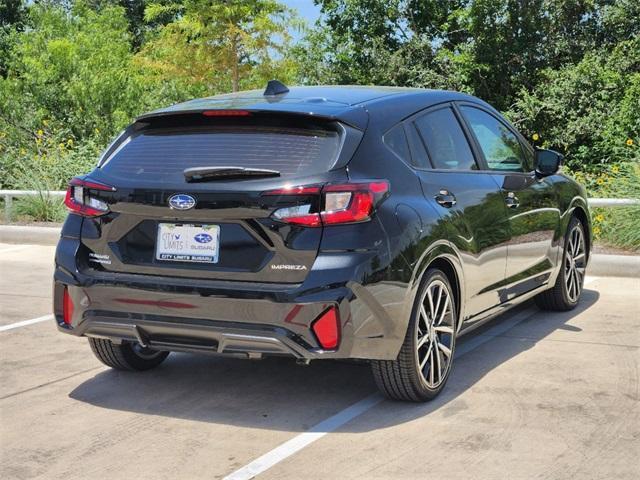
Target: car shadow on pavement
(277,394)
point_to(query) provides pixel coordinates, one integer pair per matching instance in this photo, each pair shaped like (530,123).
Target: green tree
(139,28)
(588,110)
(72,68)
(221,45)
(70,86)
(12,16)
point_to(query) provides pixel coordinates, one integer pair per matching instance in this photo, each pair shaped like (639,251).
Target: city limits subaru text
(366,223)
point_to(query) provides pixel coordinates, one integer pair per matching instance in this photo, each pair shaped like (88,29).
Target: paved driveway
(533,395)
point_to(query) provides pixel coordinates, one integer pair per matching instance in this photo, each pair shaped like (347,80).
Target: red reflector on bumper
(327,329)
(67,307)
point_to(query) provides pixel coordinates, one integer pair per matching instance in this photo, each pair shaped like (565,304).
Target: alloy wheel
(575,264)
(435,334)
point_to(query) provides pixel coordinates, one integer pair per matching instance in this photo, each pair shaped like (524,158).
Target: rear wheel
(424,362)
(566,292)
(126,356)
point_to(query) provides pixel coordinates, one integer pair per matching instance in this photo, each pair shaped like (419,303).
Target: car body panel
(533,223)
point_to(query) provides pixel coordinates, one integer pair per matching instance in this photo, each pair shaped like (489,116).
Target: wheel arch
(581,214)
(580,209)
(443,256)
(445,265)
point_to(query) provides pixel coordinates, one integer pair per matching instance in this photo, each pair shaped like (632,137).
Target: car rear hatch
(200,195)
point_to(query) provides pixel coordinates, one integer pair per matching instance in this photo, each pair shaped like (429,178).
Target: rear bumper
(194,335)
(238,318)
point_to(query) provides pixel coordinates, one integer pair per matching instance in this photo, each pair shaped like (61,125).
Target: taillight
(352,202)
(67,307)
(79,200)
(338,203)
(327,329)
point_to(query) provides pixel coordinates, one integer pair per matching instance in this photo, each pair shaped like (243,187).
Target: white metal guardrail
(613,202)
(9,195)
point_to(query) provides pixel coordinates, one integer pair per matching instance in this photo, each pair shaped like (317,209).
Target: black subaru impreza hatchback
(319,223)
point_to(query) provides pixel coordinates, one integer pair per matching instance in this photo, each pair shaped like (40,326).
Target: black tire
(558,298)
(126,356)
(403,379)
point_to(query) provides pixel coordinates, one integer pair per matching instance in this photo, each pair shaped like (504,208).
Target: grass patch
(39,208)
(615,226)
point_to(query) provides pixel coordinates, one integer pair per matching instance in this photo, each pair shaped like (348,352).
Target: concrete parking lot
(532,395)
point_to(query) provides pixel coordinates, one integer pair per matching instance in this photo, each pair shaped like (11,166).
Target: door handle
(445,198)
(511,200)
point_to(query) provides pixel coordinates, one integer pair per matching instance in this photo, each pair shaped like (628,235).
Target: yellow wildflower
(40,133)
(599,217)
(70,142)
(535,137)
(615,169)
(600,181)
(61,146)
(596,230)
(629,141)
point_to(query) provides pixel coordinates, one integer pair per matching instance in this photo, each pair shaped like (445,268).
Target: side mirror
(548,162)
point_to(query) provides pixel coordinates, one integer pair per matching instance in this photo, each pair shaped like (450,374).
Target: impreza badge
(288,267)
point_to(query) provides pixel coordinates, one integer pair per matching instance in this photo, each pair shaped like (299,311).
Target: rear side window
(162,154)
(445,141)
(396,140)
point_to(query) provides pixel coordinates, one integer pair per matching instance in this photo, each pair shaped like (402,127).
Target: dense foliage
(74,72)
(566,70)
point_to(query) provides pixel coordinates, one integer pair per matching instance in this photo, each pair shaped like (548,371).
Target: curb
(601,265)
(29,235)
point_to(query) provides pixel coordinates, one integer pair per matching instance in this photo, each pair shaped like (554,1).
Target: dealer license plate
(188,243)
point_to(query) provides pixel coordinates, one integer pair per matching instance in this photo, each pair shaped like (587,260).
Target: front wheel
(126,356)
(424,362)
(568,287)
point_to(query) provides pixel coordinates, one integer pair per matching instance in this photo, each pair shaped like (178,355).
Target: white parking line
(24,323)
(298,442)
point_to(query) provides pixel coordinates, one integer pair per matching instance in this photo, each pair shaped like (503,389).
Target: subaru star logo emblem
(203,238)
(182,201)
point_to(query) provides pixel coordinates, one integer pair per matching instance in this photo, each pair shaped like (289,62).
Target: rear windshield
(162,154)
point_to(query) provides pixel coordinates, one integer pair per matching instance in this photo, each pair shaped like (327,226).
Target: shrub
(616,226)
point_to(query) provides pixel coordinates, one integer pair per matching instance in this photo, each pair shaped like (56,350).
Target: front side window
(445,141)
(529,157)
(500,146)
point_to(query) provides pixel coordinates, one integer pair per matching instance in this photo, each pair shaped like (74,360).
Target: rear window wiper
(204,174)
